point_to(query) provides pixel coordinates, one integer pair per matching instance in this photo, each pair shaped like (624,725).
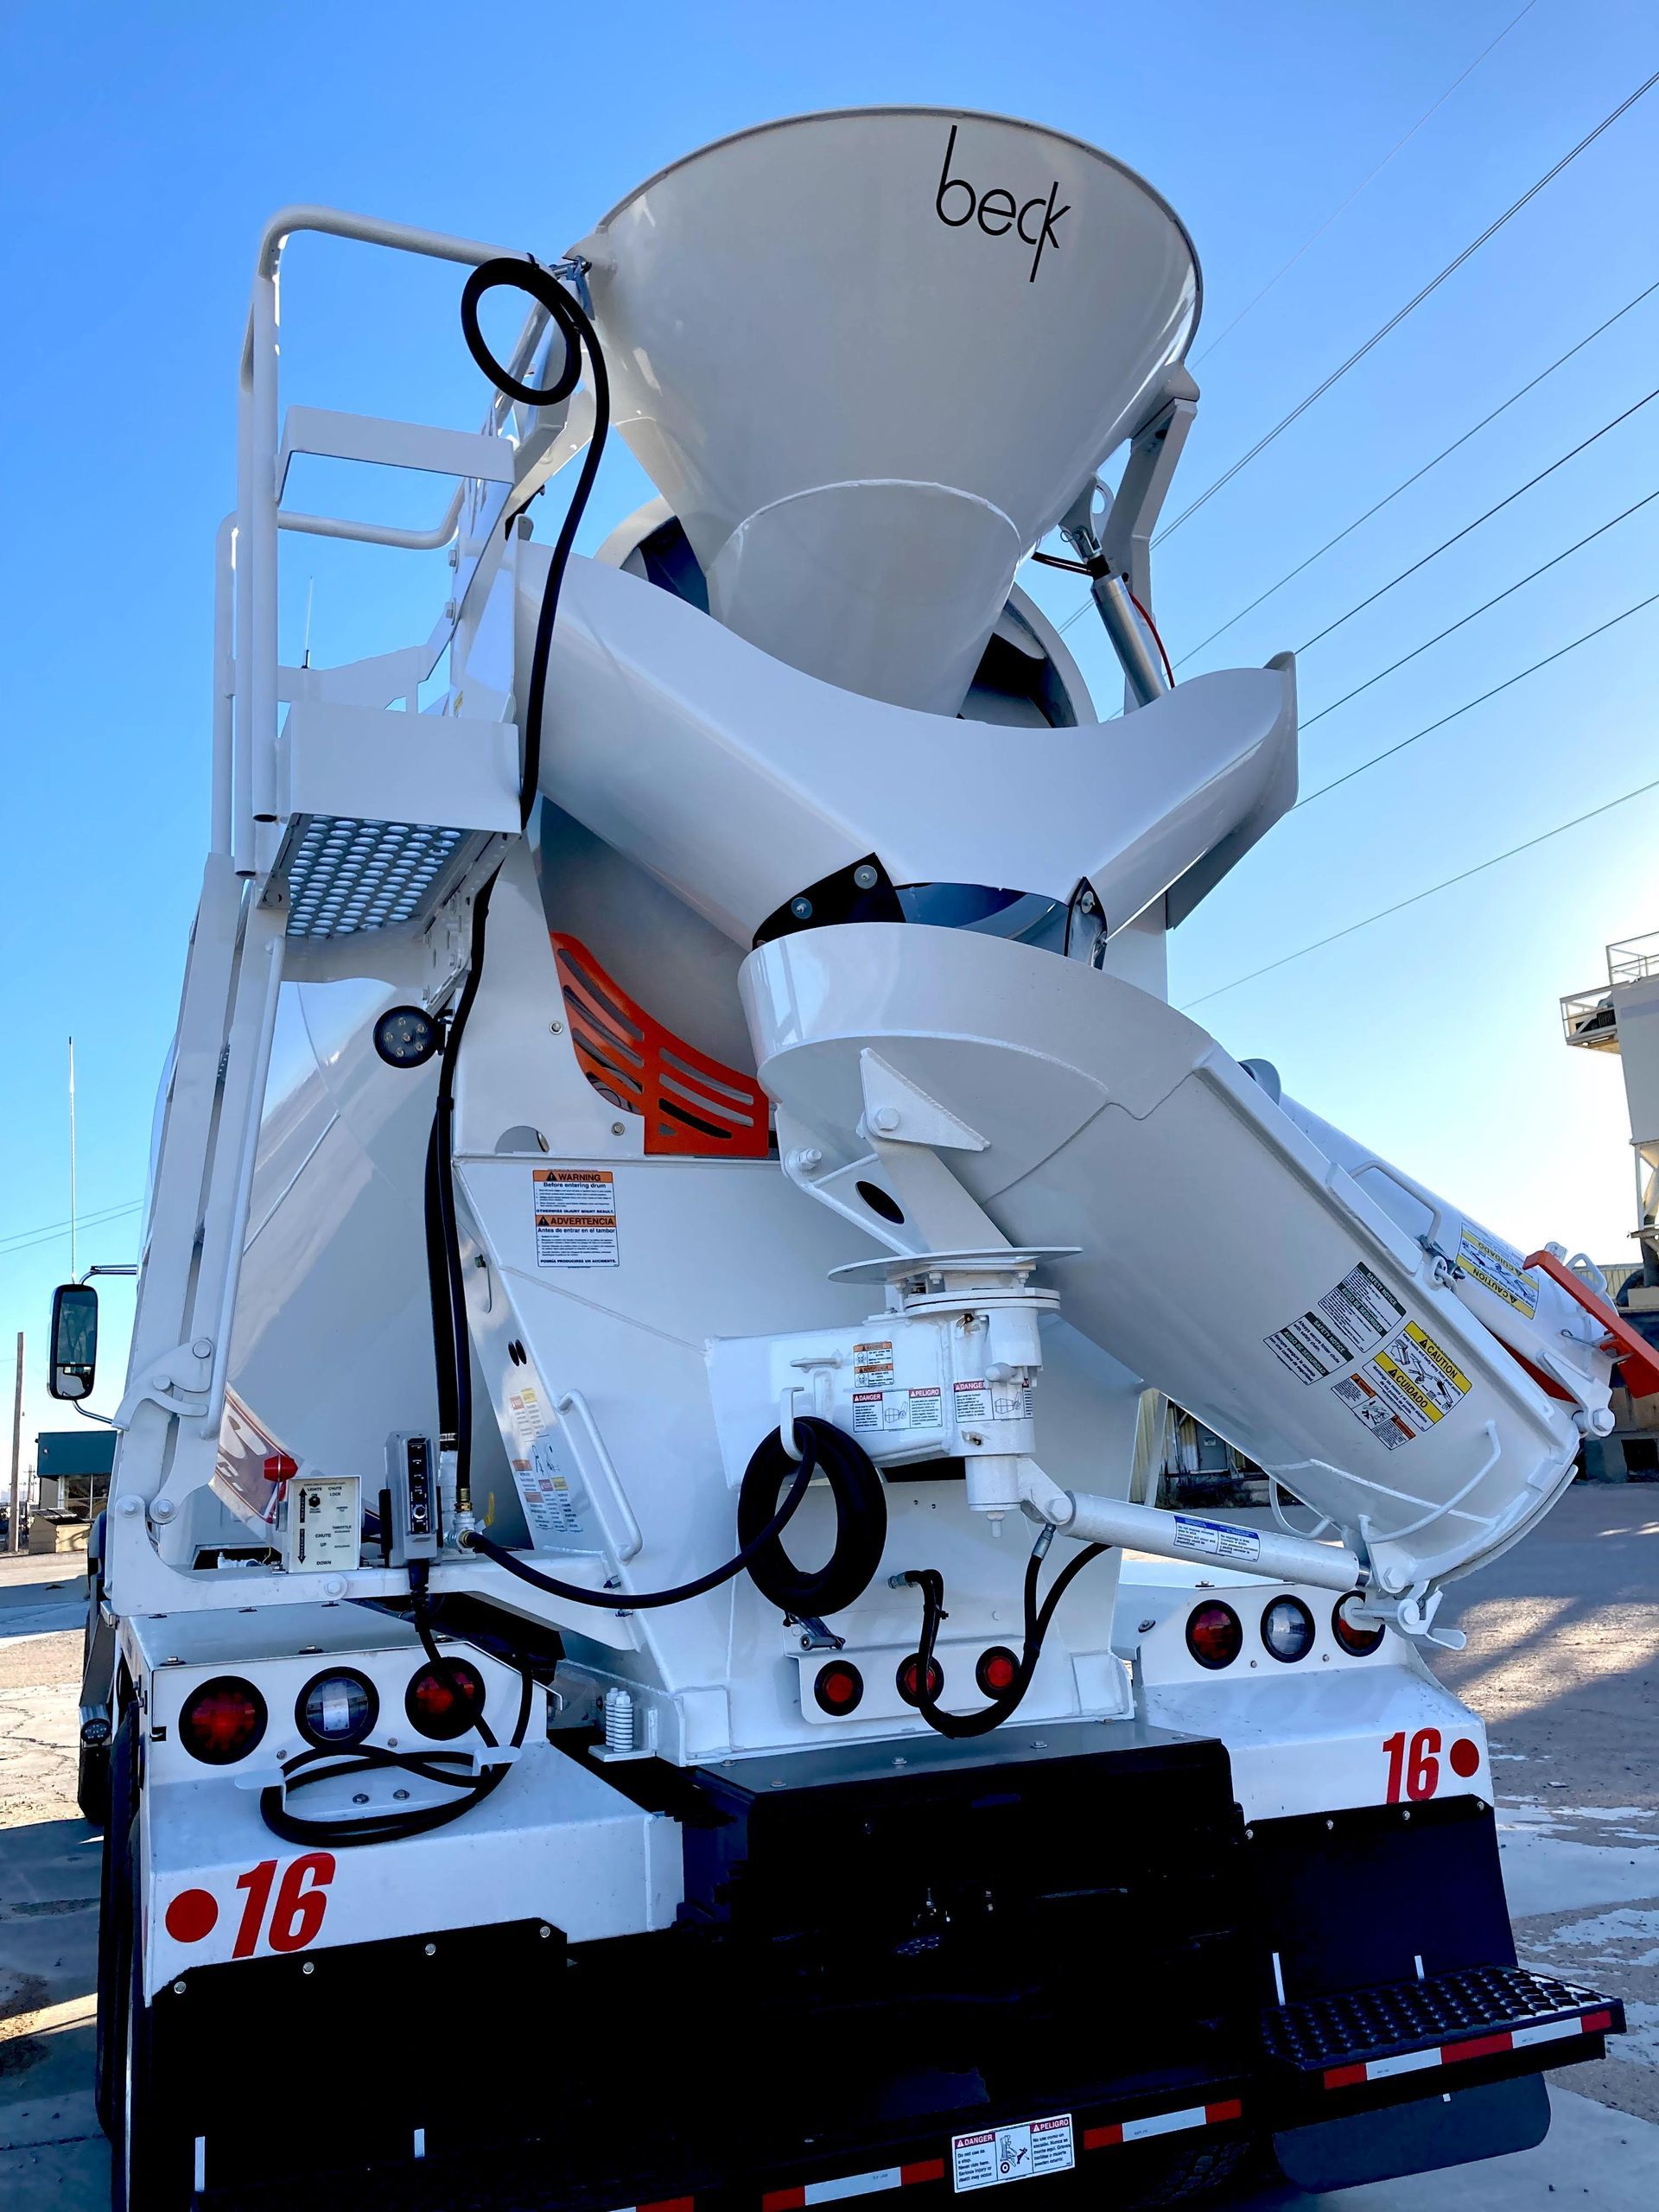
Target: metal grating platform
(1369,2035)
(344,877)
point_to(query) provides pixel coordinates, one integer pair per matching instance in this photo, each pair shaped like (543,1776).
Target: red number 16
(1419,1768)
(301,1903)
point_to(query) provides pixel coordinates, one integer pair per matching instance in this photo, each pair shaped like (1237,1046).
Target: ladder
(351,815)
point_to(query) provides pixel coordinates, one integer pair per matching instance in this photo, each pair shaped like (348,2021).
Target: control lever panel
(412,1498)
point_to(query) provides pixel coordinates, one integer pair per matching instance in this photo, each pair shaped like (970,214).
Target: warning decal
(575,1216)
(872,1365)
(545,1494)
(527,1422)
(1362,1308)
(1216,1537)
(1000,2154)
(1348,1321)
(897,1409)
(1405,1388)
(1497,1268)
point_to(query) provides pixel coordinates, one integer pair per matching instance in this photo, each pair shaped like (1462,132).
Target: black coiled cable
(861,1504)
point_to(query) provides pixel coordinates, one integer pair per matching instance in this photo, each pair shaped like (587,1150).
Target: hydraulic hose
(861,1530)
(451,1340)
(450,1286)
(567,312)
(931,1583)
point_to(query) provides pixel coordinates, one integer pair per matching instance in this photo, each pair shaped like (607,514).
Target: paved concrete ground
(1563,1661)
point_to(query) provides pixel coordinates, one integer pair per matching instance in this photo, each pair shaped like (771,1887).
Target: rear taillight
(1359,1638)
(1213,1635)
(997,1671)
(443,1702)
(222,1721)
(909,1675)
(839,1688)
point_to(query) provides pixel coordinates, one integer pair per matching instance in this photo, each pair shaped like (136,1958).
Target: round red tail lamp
(1359,1638)
(839,1688)
(222,1721)
(909,1675)
(1213,1635)
(997,1672)
(443,1702)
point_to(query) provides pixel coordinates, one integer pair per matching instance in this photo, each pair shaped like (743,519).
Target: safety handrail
(245,769)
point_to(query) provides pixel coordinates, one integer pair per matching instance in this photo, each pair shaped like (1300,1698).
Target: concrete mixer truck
(635,1657)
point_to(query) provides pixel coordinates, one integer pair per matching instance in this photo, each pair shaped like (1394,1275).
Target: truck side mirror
(74,1340)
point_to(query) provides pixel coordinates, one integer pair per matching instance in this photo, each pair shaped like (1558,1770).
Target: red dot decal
(192,1915)
(1465,1756)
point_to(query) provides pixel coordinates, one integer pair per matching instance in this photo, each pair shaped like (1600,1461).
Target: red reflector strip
(923,2169)
(1452,2053)
(783,2200)
(1161,2123)
(1476,2047)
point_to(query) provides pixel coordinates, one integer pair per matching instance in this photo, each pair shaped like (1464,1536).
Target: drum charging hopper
(871,358)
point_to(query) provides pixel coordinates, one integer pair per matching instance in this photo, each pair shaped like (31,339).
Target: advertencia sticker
(575,1216)
(994,2155)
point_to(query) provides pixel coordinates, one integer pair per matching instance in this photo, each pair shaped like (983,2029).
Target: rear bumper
(449,2077)
(1000,1964)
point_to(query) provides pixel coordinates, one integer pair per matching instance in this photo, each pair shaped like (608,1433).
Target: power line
(1416,477)
(1509,500)
(21,1239)
(1469,705)
(1399,314)
(1400,905)
(1398,147)
(1463,620)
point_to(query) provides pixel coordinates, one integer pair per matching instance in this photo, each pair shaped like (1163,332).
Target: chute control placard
(1399,1383)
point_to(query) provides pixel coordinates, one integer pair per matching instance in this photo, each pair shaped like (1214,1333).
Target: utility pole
(71,1160)
(12,1544)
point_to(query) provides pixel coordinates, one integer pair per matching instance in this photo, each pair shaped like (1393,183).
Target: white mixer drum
(870,357)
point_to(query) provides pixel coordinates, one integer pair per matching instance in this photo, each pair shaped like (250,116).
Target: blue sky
(141,150)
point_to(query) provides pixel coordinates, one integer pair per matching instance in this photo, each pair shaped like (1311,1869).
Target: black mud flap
(1396,2006)
(1450,2130)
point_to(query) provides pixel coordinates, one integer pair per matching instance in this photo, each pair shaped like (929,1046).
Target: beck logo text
(957,203)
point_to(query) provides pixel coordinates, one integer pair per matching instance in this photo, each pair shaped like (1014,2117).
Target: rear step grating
(345,876)
(1370,2035)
